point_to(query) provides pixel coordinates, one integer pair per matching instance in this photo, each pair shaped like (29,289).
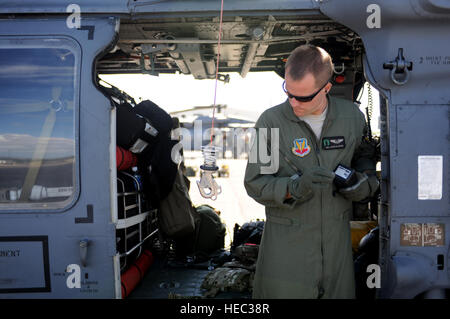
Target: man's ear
(328,87)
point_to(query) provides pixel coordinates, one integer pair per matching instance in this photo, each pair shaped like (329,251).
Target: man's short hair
(308,58)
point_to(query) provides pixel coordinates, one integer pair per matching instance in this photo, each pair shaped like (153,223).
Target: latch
(399,67)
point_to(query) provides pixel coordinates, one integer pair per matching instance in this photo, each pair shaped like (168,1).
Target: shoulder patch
(301,147)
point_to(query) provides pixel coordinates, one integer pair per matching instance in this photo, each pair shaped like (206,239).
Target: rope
(217,71)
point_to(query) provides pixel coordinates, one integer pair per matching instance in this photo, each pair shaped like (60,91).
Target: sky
(252,94)
(256,92)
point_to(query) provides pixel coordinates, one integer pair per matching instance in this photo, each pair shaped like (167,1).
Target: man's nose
(294,102)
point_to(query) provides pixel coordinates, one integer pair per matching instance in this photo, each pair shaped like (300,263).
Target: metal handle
(84,243)
(342,69)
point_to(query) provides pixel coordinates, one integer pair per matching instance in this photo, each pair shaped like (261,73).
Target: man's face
(306,87)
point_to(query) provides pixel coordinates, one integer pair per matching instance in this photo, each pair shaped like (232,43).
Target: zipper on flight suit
(317,152)
(324,127)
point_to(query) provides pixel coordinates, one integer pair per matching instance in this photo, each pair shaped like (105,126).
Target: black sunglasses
(308,98)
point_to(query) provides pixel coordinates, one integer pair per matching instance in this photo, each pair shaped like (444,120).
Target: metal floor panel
(163,282)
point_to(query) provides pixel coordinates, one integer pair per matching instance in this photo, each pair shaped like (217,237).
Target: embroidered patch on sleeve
(301,147)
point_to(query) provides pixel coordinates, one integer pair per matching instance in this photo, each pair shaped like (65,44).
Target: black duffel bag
(156,116)
(134,132)
(159,179)
(129,127)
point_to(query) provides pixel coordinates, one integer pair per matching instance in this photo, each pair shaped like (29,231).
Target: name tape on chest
(333,142)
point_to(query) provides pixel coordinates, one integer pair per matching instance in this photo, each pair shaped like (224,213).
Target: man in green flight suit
(305,249)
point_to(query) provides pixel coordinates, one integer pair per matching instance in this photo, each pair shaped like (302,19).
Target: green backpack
(210,231)
(209,234)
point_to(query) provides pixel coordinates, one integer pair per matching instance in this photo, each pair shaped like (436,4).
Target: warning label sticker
(430,176)
(422,235)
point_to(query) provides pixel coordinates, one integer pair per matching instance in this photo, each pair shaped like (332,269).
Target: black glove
(365,187)
(312,178)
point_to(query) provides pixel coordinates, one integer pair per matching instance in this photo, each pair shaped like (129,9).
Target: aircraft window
(38,85)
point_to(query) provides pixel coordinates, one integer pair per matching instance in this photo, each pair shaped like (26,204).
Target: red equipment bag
(124,159)
(135,273)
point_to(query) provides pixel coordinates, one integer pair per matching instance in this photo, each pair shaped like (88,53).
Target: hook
(207,186)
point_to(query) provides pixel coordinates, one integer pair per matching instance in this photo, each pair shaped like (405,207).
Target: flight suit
(305,249)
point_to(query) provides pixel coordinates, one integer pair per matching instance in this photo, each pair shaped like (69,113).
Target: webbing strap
(38,155)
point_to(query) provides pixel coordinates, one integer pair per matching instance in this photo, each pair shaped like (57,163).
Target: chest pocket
(297,147)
